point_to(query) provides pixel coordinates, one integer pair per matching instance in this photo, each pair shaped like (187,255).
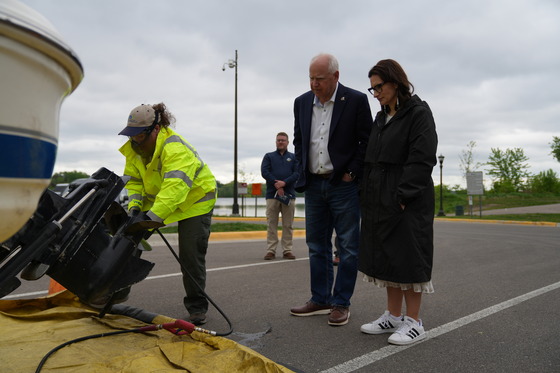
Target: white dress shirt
(319,159)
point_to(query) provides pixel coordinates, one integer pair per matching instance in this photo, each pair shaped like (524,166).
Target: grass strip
(226,227)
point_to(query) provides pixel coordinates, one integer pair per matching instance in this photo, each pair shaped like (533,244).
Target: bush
(545,182)
(505,186)
(451,198)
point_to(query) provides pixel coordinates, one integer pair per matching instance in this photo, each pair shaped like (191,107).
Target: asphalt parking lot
(494,310)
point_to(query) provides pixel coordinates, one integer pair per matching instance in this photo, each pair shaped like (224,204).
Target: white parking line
(372,357)
(32,294)
(257,264)
(45,292)
(231,267)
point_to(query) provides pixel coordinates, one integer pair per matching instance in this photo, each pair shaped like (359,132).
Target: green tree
(545,182)
(508,169)
(555,147)
(67,177)
(467,159)
(225,190)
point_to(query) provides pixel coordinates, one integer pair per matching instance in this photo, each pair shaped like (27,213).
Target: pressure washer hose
(179,327)
(199,287)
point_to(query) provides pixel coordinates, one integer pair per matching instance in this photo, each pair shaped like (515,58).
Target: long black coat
(397,245)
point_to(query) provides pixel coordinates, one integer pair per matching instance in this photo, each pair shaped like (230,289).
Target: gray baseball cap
(140,119)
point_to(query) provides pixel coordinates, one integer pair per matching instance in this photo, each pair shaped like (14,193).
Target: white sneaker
(409,332)
(385,324)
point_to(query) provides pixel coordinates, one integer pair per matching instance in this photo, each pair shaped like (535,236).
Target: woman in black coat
(397,200)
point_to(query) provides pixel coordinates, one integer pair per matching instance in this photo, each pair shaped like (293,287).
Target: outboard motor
(85,241)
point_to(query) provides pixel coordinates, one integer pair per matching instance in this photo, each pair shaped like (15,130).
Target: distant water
(252,207)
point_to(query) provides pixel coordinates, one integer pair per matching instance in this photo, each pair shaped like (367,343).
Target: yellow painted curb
(233,218)
(252,235)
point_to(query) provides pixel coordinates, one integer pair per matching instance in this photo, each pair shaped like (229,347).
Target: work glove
(138,215)
(133,212)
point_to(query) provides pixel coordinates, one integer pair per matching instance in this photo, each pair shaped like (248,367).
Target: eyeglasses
(378,88)
(142,136)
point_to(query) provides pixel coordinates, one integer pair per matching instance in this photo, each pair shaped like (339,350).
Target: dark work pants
(193,244)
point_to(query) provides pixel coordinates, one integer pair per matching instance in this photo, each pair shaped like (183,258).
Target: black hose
(138,330)
(199,287)
(44,360)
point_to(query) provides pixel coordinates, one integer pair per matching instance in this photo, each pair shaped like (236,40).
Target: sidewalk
(542,209)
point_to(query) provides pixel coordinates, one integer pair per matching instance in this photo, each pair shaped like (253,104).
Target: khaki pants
(273,208)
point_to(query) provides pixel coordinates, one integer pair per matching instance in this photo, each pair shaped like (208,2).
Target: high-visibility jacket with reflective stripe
(175,185)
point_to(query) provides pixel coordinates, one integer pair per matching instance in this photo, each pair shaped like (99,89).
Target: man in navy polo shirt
(279,169)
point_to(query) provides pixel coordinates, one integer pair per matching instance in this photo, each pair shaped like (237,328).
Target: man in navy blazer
(332,127)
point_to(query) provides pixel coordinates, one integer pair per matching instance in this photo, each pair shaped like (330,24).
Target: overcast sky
(489,69)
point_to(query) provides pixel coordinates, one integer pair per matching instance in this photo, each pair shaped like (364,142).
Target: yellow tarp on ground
(30,328)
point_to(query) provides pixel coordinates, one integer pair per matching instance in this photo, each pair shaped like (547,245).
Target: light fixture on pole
(441,212)
(232,64)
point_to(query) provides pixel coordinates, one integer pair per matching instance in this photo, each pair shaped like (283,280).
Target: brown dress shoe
(339,316)
(311,309)
(289,255)
(269,256)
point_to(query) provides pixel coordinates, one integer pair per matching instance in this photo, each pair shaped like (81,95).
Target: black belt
(323,176)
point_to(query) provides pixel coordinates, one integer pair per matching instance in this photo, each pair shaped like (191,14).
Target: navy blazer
(350,127)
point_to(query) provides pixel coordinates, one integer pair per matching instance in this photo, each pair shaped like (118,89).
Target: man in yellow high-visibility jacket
(170,183)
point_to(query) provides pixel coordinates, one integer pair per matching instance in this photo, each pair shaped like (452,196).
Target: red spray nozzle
(179,327)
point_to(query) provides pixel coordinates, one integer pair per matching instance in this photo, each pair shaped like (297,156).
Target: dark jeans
(328,207)
(193,244)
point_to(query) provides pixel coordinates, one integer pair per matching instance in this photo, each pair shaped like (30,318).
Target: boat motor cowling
(85,241)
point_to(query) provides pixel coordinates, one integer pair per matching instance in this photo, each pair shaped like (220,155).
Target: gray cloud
(488,69)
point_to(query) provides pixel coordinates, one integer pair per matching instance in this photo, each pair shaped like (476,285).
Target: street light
(441,158)
(232,64)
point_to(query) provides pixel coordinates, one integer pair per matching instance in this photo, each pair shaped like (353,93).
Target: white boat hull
(37,72)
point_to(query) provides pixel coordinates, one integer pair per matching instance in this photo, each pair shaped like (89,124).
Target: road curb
(300,233)
(243,218)
(250,235)
(172,238)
